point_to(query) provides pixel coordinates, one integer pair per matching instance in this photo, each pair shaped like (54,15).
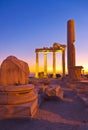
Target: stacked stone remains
(13,72)
(17,97)
(18,101)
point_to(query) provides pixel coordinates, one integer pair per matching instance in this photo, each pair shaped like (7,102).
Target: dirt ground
(53,114)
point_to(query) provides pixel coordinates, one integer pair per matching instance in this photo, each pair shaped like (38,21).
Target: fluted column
(45,64)
(37,64)
(54,64)
(63,62)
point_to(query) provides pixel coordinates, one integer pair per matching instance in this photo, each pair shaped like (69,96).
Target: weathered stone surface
(82,87)
(74,72)
(82,91)
(18,101)
(19,110)
(13,72)
(54,91)
(21,94)
(70,44)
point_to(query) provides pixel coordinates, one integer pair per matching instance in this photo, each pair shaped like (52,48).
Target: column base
(75,72)
(45,76)
(54,75)
(36,76)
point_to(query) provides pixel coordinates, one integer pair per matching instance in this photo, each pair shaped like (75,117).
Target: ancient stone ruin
(45,50)
(17,97)
(13,72)
(74,71)
(18,101)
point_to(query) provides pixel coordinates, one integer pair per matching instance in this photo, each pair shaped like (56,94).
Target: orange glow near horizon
(50,70)
(58,68)
(49,63)
(85,68)
(32,64)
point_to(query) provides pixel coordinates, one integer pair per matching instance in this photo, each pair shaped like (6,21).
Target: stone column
(70,45)
(54,64)
(63,62)
(37,65)
(74,72)
(45,64)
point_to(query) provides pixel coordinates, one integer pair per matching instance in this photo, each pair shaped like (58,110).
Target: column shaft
(70,46)
(63,62)
(45,64)
(37,64)
(54,65)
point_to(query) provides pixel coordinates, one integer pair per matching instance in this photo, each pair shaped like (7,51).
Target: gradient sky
(29,24)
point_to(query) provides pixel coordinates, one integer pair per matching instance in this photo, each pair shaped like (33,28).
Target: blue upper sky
(29,24)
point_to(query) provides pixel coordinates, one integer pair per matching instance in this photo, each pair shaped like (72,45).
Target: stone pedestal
(19,110)
(75,73)
(18,101)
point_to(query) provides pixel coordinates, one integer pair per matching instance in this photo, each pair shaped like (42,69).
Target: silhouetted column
(54,64)
(63,62)
(45,64)
(37,65)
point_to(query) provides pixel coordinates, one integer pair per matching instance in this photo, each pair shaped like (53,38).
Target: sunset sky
(29,24)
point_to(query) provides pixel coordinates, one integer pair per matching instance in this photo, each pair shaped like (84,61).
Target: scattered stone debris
(82,91)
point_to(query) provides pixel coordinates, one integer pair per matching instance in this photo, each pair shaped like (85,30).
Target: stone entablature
(55,48)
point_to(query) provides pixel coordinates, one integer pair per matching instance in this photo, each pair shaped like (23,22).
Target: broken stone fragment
(13,72)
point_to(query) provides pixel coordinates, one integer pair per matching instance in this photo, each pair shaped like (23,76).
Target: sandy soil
(69,114)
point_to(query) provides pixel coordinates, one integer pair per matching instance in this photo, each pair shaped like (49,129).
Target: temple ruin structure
(74,72)
(45,50)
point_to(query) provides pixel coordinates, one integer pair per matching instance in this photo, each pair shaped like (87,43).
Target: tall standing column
(54,64)
(74,72)
(45,64)
(37,65)
(63,62)
(70,45)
